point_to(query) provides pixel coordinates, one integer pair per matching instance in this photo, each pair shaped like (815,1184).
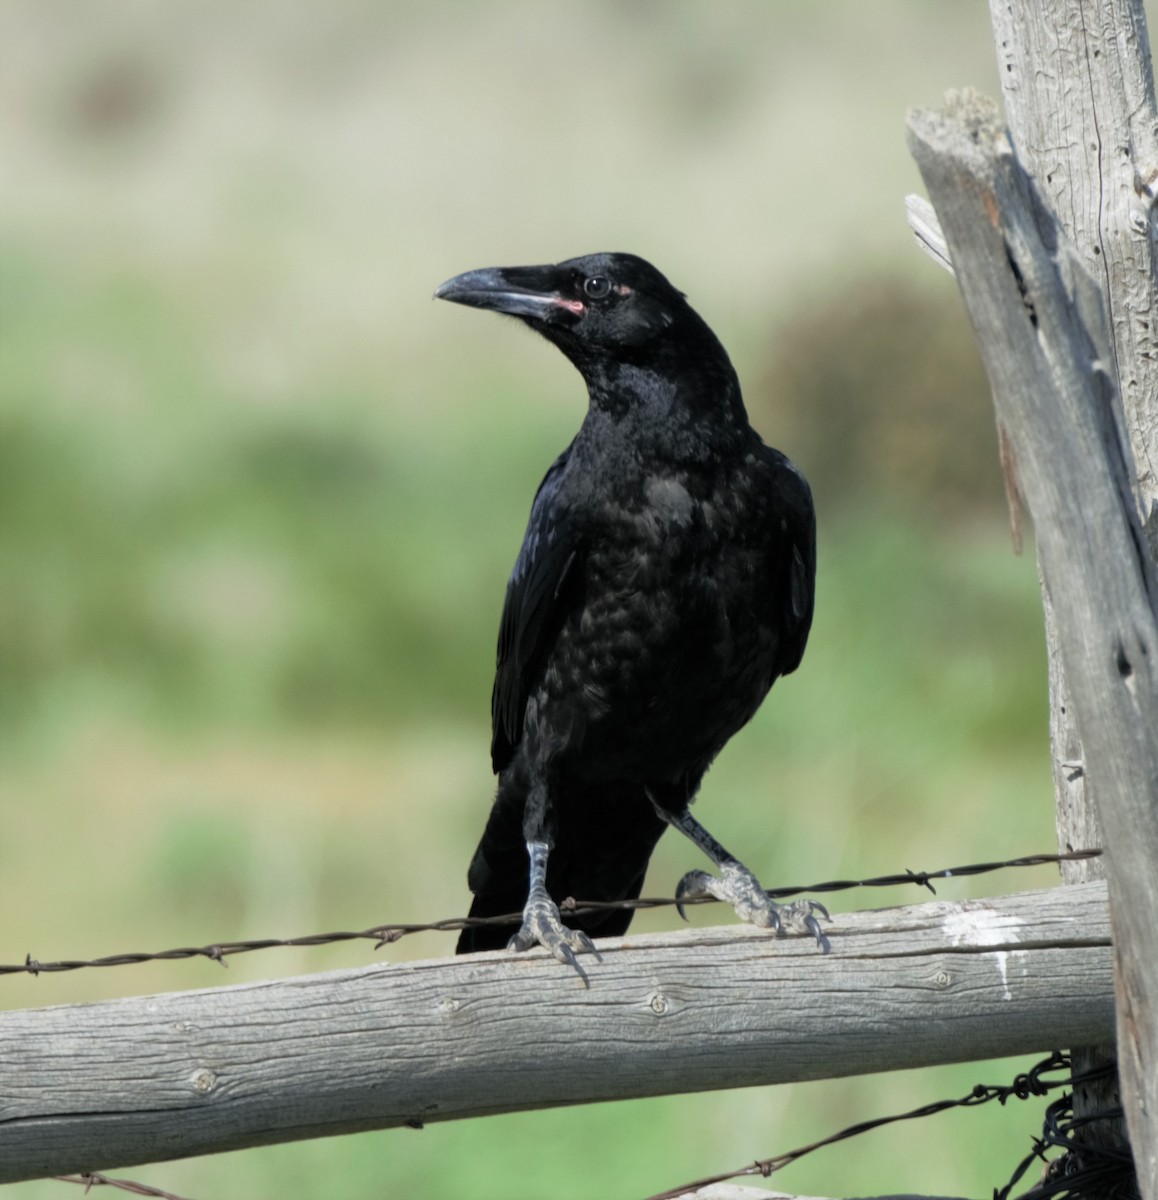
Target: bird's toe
(738,887)
(803,916)
(695,885)
(542,926)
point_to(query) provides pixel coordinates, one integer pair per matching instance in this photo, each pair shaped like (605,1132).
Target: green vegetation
(258,502)
(247,661)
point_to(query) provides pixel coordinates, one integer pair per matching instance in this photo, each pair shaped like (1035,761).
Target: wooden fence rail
(91,1086)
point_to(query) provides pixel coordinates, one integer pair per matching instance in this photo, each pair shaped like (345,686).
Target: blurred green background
(259,497)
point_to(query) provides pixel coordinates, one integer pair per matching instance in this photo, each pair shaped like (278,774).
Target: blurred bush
(197,558)
(173,553)
(878,389)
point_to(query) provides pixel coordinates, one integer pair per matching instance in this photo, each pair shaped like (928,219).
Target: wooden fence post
(1038,316)
(1079,101)
(1079,97)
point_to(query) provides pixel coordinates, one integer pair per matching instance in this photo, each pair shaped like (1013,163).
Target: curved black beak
(517,291)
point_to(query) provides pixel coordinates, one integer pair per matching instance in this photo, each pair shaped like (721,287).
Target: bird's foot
(542,926)
(737,886)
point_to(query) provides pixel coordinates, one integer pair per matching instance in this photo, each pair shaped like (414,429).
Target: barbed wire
(383,935)
(1085,1168)
(91,1179)
(1031,1083)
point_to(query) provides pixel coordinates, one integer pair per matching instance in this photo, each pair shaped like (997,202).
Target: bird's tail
(604,841)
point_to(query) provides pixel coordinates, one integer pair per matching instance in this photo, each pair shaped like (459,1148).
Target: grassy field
(258,500)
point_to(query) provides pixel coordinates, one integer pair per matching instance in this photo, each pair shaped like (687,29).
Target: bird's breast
(661,510)
(671,647)
(670,586)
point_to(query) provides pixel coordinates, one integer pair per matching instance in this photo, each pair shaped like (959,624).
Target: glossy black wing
(797,557)
(540,591)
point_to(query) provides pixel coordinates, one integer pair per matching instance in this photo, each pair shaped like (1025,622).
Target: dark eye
(597,287)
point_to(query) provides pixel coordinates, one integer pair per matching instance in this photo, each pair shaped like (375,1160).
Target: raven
(665,581)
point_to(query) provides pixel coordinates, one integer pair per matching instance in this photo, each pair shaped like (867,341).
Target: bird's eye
(597,287)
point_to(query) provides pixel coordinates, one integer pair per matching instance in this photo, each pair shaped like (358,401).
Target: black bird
(665,582)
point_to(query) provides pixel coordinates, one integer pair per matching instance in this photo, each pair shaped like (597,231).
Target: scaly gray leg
(542,925)
(738,887)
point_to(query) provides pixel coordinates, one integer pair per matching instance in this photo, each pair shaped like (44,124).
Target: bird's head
(602,308)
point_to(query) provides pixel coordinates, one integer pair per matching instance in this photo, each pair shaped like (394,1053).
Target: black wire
(382,935)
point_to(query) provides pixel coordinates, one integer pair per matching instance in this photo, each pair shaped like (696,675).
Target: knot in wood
(658,1003)
(203,1081)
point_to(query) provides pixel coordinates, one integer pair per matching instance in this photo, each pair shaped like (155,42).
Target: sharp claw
(681,894)
(542,926)
(691,887)
(813,926)
(690,884)
(818,907)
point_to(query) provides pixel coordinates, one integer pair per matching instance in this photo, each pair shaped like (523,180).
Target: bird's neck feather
(643,413)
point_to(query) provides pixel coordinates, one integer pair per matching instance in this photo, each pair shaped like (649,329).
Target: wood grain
(1039,320)
(90,1087)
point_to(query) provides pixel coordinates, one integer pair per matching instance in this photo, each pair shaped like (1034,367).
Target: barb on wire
(1086,1168)
(91,1179)
(382,935)
(920,878)
(1031,1083)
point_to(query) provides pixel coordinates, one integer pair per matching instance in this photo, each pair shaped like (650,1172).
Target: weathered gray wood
(1036,315)
(1077,818)
(1079,100)
(90,1087)
(1068,102)
(922,219)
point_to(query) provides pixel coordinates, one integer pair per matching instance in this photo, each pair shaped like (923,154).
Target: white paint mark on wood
(980,926)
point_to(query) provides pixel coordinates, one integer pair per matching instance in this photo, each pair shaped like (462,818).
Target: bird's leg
(737,886)
(542,925)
